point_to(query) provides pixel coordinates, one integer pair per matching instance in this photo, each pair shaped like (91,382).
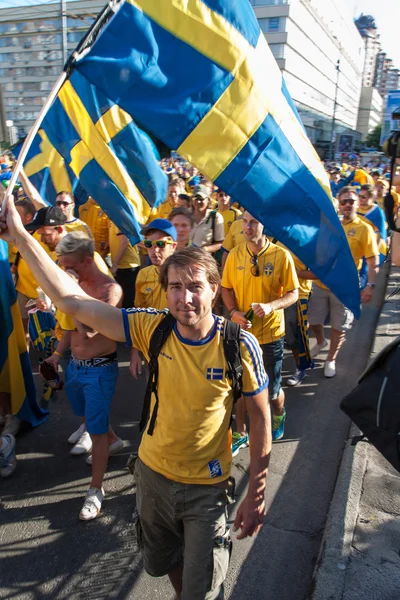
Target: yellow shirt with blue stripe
(148,290)
(277,277)
(130,259)
(191,442)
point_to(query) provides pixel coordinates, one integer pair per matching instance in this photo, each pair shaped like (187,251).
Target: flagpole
(108,11)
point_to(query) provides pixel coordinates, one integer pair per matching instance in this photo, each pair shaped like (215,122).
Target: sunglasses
(255,268)
(63,203)
(157,243)
(347,201)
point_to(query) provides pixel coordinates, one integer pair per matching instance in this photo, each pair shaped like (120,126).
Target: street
(46,552)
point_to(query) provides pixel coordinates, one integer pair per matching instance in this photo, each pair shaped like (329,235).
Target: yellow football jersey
(277,277)
(305,285)
(78,225)
(191,442)
(26,283)
(230,216)
(234,237)
(97,221)
(149,293)
(362,242)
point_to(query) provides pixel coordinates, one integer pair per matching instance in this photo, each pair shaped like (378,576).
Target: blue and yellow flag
(16,376)
(199,75)
(87,141)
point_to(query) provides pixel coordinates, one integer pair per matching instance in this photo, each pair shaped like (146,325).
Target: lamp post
(332,145)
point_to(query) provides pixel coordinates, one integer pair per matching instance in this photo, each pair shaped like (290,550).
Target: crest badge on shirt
(215,469)
(268,269)
(351,233)
(148,289)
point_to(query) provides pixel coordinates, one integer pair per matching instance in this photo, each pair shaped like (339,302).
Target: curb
(329,578)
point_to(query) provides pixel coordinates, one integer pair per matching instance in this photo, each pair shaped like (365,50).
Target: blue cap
(4,166)
(161,225)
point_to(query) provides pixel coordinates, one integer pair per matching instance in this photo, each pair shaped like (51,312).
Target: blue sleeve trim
(261,389)
(128,342)
(224,250)
(255,355)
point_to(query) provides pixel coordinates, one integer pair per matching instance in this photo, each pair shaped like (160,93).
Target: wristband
(57,353)
(231,312)
(372,285)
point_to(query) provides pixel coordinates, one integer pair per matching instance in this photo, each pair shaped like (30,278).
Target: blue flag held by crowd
(16,377)
(199,75)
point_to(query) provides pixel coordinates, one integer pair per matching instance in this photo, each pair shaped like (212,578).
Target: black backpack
(231,341)
(374,405)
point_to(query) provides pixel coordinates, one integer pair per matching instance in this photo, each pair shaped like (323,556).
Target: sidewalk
(360,552)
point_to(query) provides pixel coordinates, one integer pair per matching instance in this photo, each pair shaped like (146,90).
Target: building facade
(387,77)
(321,55)
(370,111)
(32,51)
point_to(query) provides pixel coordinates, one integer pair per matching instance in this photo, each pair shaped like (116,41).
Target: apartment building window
(277,50)
(271,25)
(75,36)
(84,21)
(267,2)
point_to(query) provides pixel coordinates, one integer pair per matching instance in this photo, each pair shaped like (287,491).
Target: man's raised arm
(66,294)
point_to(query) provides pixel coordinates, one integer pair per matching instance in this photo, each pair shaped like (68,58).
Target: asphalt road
(46,552)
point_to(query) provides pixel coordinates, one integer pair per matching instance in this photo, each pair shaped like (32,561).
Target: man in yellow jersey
(182,473)
(160,242)
(125,263)
(260,277)
(96,219)
(175,187)
(65,201)
(323,303)
(181,218)
(229,213)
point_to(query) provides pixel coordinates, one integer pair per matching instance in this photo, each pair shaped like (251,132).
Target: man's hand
(366,294)
(249,517)
(114,270)
(54,361)
(261,310)
(238,317)
(11,227)
(135,363)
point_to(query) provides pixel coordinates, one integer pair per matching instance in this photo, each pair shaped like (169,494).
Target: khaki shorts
(22,300)
(323,305)
(184,523)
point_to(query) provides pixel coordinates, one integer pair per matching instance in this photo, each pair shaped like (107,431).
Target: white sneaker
(8,461)
(76,436)
(12,425)
(330,368)
(117,445)
(316,349)
(83,445)
(92,505)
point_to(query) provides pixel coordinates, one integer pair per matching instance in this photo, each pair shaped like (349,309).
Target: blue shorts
(273,359)
(90,391)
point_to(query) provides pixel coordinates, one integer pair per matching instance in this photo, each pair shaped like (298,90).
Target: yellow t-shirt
(277,277)
(191,442)
(363,214)
(381,201)
(130,258)
(97,221)
(149,293)
(78,225)
(230,215)
(234,237)
(26,283)
(362,242)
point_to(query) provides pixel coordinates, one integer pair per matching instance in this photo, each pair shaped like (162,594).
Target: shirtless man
(91,375)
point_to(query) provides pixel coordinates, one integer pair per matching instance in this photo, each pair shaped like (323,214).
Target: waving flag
(16,376)
(89,145)
(199,75)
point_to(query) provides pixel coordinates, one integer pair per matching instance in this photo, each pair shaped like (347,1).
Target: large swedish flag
(16,376)
(200,76)
(89,142)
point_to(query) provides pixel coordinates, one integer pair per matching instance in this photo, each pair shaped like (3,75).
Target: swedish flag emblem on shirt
(215,374)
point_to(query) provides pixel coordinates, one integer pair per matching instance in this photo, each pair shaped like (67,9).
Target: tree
(374,138)
(365,22)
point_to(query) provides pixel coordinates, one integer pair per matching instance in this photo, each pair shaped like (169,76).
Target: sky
(385,12)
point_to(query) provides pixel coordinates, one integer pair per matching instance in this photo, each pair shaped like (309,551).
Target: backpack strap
(157,341)
(233,357)
(212,216)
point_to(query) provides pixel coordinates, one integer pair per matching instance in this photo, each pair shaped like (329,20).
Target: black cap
(51,216)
